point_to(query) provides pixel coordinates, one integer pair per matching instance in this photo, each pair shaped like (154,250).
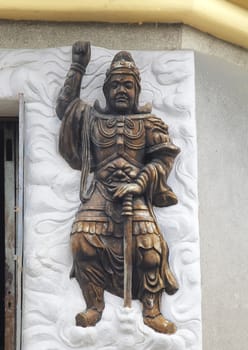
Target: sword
(127,212)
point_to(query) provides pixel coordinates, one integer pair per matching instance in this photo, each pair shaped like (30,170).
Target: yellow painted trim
(221,18)
(242,3)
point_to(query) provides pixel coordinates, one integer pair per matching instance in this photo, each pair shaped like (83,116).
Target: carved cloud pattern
(51,299)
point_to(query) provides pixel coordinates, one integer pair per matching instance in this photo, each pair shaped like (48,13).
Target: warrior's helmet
(123,63)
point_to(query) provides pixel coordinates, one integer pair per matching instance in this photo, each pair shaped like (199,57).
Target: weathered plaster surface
(51,299)
(25,34)
(112,36)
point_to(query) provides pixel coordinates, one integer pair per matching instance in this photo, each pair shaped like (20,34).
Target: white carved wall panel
(50,298)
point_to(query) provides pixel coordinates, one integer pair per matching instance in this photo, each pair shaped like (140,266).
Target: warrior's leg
(93,296)
(151,295)
(152,315)
(89,274)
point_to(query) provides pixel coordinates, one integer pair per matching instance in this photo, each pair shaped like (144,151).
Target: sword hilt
(127,207)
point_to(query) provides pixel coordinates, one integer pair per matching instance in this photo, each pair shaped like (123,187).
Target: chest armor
(119,136)
(118,145)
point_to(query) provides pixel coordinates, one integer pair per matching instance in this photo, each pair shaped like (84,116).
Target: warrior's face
(121,94)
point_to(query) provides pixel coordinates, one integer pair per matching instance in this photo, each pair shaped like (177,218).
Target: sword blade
(128,228)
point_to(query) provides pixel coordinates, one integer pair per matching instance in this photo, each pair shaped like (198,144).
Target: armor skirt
(97,245)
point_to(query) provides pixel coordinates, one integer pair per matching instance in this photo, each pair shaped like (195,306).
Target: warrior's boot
(93,296)
(152,315)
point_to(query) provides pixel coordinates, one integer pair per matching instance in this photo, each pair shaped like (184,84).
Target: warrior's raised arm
(71,89)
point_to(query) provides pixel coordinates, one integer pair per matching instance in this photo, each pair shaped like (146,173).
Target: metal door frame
(14,212)
(20,224)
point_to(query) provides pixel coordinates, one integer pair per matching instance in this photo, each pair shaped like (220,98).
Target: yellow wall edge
(221,18)
(242,3)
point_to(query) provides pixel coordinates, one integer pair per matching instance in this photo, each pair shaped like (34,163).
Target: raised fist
(81,52)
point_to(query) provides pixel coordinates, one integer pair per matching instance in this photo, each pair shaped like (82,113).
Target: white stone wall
(51,299)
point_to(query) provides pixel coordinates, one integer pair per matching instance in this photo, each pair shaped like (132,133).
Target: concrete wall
(221,112)
(222,125)
(118,36)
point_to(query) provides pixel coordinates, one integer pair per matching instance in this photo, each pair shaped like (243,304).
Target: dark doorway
(8,184)
(2,240)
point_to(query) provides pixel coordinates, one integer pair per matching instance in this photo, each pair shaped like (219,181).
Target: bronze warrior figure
(130,153)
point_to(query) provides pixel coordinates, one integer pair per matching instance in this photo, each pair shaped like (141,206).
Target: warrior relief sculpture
(116,242)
